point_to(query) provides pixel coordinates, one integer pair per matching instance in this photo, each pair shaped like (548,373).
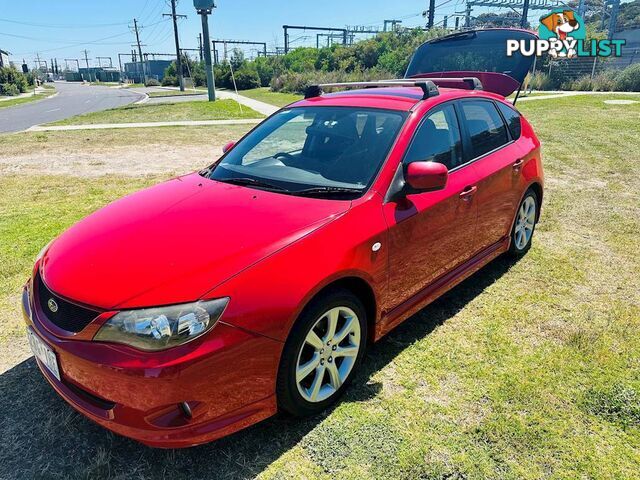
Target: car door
(432,232)
(496,160)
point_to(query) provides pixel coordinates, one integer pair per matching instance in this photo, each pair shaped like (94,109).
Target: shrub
(628,80)
(170,81)
(11,76)
(298,82)
(152,82)
(583,84)
(247,78)
(8,89)
(541,81)
(604,81)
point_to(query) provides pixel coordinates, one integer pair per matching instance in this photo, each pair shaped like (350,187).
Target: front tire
(324,348)
(524,224)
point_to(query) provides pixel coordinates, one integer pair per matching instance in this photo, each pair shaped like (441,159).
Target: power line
(48,25)
(143,9)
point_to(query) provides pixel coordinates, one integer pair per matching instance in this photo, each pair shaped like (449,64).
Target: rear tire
(524,225)
(322,353)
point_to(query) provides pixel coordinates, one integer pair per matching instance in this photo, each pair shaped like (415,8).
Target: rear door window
(437,139)
(512,118)
(486,129)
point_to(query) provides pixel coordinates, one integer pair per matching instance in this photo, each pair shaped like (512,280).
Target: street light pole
(204,8)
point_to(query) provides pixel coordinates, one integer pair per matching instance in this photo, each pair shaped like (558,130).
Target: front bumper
(227,378)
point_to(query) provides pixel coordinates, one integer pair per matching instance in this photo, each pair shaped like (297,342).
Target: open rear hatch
(475,53)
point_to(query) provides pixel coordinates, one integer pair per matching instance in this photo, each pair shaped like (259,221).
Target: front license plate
(43,353)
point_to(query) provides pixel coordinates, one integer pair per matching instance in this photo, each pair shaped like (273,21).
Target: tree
(508,19)
(13,81)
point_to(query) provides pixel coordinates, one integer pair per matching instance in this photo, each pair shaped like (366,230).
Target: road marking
(54,110)
(87,101)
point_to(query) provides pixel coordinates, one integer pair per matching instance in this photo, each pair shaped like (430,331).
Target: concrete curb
(143,100)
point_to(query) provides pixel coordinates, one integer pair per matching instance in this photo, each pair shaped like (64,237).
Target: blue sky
(64,28)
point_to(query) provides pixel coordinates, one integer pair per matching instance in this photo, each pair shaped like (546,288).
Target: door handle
(468,192)
(518,165)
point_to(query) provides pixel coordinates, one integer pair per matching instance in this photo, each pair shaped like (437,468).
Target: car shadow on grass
(43,437)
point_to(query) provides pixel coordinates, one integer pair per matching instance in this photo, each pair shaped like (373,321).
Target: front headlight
(162,327)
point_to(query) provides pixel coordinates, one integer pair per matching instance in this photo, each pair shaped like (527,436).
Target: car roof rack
(429,88)
(473,82)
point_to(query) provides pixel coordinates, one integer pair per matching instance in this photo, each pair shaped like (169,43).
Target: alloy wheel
(328,354)
(525,222)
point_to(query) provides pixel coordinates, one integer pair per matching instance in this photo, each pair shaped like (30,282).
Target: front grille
(68,316)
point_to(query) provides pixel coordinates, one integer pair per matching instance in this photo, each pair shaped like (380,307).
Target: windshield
(314,150)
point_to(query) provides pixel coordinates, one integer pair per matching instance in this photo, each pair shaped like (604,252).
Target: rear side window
(513,119)
(437,139)
(486,128)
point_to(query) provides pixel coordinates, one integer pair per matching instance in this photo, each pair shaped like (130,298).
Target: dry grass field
(527,370)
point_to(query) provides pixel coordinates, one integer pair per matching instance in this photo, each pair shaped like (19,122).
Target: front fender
(268,297)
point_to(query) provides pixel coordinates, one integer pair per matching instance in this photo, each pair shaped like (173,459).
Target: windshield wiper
(253,182)
(327,190)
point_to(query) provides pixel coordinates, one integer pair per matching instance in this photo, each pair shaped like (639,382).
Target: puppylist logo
(563,35)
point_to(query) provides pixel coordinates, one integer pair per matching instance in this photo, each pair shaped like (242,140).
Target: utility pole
(204,9)
(105,58)
(144,70)
(77,65)
(467,16)
(200,45)
(86,58)
(393,24)
(525,14)
(431,14)
(175,17)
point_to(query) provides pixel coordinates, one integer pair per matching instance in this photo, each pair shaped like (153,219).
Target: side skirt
(446,282)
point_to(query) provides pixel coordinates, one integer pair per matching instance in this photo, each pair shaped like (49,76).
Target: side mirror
(426,176)
(228,147)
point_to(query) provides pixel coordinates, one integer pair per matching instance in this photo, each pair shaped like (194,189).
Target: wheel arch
(357,285)
(537,188)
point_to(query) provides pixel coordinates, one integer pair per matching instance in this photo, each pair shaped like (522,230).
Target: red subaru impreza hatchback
(197,307)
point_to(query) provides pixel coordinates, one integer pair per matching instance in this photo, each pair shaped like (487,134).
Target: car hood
(174,242)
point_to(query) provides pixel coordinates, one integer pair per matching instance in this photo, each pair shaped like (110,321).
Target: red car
(197,307)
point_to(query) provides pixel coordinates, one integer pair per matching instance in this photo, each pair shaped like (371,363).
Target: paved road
(72,99)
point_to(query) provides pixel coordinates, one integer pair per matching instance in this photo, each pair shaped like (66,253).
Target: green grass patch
(617,403)
(527,370)
(273,98)
(165,112)
(30,217)
(175,93)
(31,98)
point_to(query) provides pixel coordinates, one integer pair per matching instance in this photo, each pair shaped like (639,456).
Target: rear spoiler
(429,86)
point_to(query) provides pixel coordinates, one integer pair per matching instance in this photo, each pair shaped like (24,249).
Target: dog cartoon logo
(563,28)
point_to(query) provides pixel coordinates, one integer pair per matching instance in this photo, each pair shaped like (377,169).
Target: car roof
(390,98)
